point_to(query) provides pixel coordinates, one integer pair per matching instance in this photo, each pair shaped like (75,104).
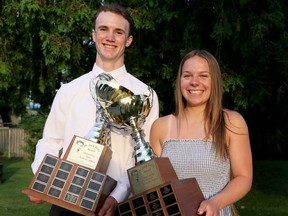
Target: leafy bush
(33,125)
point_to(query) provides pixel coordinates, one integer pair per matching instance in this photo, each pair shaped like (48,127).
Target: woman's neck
(194,114)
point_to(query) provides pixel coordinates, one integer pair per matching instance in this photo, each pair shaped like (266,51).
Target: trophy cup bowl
(109,92)
(128,109)
(104,92)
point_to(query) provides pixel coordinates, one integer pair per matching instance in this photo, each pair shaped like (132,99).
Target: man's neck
(109,66)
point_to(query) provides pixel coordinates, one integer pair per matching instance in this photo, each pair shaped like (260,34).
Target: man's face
(111,37)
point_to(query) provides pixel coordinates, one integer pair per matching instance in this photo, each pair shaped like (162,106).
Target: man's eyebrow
(117,29)
(102,26)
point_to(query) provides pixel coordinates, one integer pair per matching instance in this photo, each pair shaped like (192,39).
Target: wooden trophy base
(178,197)
(150,174)
(70,185)
(75,182)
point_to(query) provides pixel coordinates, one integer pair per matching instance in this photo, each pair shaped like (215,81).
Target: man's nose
(110,36)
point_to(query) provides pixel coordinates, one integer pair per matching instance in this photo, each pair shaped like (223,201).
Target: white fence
(12,142)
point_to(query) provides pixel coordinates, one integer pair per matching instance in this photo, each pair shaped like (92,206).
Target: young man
(73,110)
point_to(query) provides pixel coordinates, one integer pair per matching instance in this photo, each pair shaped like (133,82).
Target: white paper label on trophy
(85,152)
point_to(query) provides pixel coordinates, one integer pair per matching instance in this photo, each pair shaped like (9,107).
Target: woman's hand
(209,207)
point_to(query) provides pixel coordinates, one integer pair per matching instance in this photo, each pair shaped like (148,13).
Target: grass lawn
(17,176)
(269,195)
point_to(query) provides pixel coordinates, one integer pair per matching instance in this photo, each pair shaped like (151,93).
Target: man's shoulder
(82,80)
(136,85)
(133,78)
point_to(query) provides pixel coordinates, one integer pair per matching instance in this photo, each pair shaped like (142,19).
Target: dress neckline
(187,140)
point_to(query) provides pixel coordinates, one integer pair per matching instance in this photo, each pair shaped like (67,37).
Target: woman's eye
(204,75)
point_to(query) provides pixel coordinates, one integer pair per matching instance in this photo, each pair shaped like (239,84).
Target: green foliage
(46,43)
(33,125)
(234,86)
(42,46)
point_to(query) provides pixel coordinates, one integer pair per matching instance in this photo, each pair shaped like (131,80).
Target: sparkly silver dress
(197,159)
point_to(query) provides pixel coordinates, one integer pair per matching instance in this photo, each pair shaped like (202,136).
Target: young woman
(204,140)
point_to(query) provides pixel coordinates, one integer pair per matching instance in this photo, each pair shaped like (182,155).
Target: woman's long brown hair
(214,114)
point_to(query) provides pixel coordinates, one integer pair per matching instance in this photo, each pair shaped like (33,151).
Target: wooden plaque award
(77,182)
(157,191)
(177,198)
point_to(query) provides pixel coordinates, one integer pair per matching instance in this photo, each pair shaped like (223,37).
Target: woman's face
(196,81)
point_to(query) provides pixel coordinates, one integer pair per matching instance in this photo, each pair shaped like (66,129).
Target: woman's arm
(241,165)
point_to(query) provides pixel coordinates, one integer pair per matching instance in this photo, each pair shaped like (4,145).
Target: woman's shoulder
(235,121)
(231,113)
(161,130)
(164,123)
(165,120)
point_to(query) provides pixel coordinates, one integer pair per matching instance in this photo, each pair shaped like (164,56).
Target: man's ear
(93,35)
(129,40)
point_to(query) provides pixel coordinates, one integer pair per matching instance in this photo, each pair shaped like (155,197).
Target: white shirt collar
(118,74)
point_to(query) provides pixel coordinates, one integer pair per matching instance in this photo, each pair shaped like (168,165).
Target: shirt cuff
(120,193)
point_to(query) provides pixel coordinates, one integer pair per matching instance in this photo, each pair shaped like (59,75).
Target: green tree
(252,41)
(46,43)
(43,43)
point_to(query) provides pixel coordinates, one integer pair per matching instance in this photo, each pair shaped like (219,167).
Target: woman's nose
(194,80)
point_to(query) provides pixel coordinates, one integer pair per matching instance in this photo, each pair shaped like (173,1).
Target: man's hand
(36,200)
(109,207)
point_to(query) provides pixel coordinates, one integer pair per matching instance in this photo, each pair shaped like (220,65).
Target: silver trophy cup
(126,110)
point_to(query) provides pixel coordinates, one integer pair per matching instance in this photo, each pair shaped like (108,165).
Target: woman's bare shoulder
(165,120)
(235,121)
